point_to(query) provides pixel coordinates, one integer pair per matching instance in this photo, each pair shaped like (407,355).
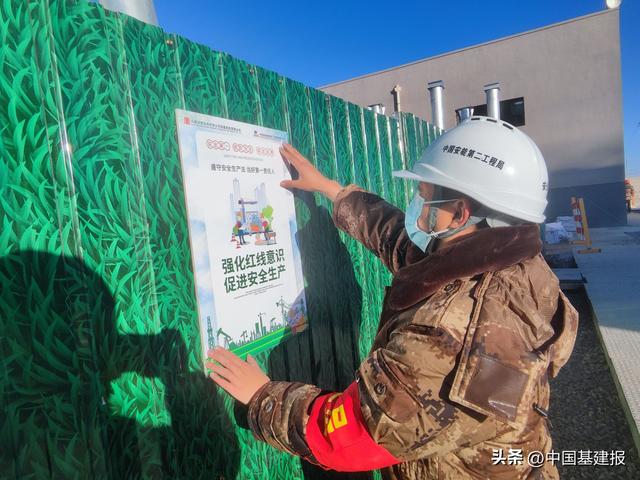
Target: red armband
(338,437)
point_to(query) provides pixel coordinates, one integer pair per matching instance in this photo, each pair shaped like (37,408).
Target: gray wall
(569,75)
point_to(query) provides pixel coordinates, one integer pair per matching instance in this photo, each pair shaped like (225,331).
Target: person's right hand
(309,177)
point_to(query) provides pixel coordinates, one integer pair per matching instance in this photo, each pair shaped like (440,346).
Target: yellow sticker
(338,419)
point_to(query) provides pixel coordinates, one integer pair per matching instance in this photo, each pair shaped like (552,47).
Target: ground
(585,410)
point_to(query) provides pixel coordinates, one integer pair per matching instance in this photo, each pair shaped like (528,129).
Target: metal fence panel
(101,374)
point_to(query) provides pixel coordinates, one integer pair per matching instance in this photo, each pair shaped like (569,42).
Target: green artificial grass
(102,373)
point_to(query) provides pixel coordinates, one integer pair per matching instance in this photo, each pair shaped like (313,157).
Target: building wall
(569,75)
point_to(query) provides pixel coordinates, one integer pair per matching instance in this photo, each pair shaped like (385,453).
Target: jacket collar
(487,250)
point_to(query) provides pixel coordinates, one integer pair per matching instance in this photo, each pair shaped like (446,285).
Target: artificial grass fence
(101,375)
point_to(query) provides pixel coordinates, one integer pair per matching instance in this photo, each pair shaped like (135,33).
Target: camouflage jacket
(458,374)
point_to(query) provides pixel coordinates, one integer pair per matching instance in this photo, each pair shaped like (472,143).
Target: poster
(242,227)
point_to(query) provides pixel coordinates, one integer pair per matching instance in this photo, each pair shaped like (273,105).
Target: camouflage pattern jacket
(459,369)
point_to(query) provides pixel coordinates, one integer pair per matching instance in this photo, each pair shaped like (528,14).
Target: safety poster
(242,227)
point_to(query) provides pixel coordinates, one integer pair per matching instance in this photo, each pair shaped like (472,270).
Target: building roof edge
(415,62)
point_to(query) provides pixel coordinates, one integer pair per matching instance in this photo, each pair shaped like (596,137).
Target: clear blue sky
(319,43)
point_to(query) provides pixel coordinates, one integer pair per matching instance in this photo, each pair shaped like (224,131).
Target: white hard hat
(490,161)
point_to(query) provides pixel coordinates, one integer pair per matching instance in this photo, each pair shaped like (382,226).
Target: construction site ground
(595,402)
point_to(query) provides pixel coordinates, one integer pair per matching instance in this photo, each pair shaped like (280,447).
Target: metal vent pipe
(437,110)
(143,10)
(492,91)
(464,113)
(377,108)
(395,91)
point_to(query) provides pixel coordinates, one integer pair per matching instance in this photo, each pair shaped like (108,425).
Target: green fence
(101,372)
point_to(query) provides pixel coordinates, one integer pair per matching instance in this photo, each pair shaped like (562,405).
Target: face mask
(418,236)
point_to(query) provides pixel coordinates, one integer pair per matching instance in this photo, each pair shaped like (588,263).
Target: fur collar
(487,250)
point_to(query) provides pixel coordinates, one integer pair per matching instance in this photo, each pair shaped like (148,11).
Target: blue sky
(321,43)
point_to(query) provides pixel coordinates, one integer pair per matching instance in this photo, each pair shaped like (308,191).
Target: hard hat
(490,161)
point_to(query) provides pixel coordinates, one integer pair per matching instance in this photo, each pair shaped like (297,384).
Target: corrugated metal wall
(100,372)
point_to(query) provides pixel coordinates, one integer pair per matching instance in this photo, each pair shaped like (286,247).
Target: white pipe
(377,108)
(492,92)
(464,113)
(437,111)
(143,10)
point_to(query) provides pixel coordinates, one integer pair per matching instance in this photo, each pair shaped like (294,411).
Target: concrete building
(561,84)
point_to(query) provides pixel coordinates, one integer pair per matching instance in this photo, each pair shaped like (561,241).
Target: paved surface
(613,286)
(586,413)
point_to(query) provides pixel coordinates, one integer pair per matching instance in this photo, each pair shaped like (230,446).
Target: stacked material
(569,225)
(555,233)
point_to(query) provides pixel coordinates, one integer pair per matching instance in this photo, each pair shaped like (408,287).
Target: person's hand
(239,378)
(309,177)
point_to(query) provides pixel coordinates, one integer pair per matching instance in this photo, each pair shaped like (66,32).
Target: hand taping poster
(242,227)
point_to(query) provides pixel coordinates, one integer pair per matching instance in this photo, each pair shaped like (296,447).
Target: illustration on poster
(252,216)
(242,228)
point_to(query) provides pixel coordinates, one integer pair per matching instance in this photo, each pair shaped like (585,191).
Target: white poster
(242,228)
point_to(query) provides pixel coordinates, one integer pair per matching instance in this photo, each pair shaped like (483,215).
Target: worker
(473,325)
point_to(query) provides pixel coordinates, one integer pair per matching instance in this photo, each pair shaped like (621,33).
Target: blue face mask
(418,236)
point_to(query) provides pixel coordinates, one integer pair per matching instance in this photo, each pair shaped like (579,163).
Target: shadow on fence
(73,387)
(326,354)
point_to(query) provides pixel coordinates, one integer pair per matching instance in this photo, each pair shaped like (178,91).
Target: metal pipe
(377,108)
(437,110)
(464,113)
(395,91)
(143,10)
(492,91)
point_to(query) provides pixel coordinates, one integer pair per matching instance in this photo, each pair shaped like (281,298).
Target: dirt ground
(585,410)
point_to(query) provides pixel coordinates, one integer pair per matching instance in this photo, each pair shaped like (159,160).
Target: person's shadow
(81,399)
(326,354)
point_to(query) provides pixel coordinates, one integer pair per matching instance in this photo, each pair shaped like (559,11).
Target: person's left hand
(239,378)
